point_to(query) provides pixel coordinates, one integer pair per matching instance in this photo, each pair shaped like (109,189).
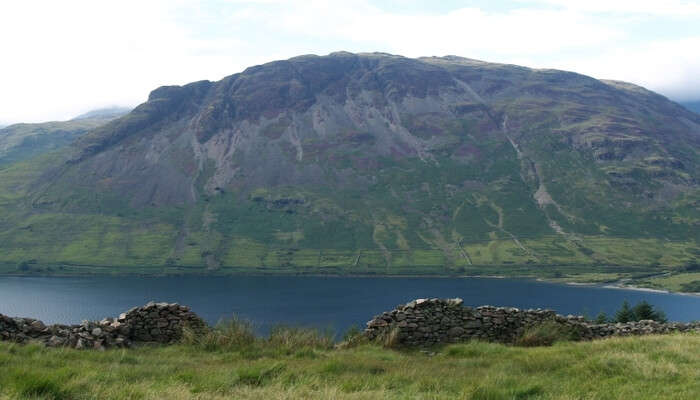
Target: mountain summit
(373,163)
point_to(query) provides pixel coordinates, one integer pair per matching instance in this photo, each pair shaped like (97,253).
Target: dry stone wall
(160,322)
(154,322)
(426,322)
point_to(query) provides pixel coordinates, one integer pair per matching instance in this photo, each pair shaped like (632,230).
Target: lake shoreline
(612,284)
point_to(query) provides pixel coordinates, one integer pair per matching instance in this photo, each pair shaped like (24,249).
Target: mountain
(692,106)
(22,141)
(369,163)
(107,113)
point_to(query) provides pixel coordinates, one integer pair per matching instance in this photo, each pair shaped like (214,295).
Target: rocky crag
(154,322)
(426,322)
(365,164)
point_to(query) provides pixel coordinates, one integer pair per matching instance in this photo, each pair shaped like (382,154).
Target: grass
(651,367)
(677,282)
(451,218)
(545,334)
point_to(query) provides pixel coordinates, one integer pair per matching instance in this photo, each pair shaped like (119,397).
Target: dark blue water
(335,303)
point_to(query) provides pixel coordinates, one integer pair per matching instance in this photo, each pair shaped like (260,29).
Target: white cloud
(671,67)
(461,31)
(675,8)
(62,58)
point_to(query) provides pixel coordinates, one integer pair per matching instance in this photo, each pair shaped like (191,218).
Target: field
(652,367)
(678,282)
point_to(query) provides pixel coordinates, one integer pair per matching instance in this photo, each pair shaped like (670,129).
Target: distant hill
(23,141)
(104,113)
(692,106)
(370,163)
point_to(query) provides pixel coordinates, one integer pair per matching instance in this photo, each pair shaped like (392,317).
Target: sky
(61,58)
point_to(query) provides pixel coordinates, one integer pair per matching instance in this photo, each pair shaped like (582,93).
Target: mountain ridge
(387,162)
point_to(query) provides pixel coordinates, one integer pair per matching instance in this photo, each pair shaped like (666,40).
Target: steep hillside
(370,163)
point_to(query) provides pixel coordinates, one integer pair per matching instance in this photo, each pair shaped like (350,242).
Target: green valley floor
(652,367)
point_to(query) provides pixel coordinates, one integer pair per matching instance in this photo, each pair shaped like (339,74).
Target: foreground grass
(654,367)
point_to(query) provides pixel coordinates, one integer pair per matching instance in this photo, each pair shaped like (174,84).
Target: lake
(326,302)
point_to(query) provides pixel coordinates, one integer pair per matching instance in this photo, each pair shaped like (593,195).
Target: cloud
(63,58)
(460,31)
(671,67)
(673,8)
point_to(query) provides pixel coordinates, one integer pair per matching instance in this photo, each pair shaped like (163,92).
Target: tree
(625,313)
(644,310)
(640,311)
(601,318)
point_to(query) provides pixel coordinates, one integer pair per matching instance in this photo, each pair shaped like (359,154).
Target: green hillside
(368,164)
(20,142)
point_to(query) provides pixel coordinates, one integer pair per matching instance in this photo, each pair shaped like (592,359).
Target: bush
(691,287)
(545,334)
(692,266)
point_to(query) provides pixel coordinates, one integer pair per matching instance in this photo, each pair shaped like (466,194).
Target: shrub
(691,287)
(545,334)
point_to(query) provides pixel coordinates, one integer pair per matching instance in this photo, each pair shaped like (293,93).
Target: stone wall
(426,322)
(422,322)
(160,322)
(154,322)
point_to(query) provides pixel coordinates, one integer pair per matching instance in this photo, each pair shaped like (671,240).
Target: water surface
(333,302)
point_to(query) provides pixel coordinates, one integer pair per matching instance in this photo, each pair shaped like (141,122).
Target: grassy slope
(681,282)
(20,142)
(475,233)
(475,216)
(653,367)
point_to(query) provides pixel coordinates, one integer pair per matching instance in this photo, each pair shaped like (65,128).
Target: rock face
(426,322)
(154,322)
(373,153)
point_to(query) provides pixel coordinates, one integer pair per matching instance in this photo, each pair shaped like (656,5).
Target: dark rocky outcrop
(386,154)
(152,323)
(426,322)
